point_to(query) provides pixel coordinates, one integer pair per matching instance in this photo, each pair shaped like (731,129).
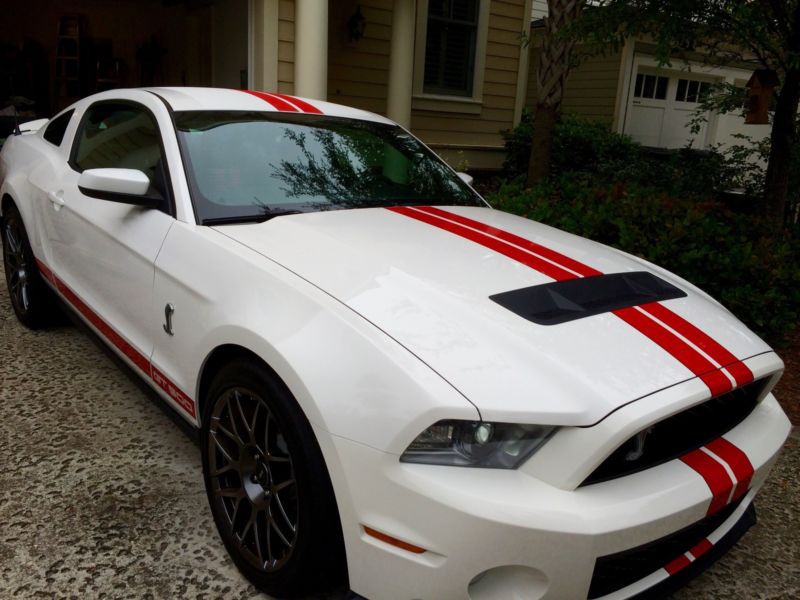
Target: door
(661,107)
(102,251)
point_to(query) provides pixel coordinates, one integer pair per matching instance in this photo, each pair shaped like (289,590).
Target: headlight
(477,444)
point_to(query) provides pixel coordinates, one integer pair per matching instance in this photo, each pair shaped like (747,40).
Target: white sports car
(398,390)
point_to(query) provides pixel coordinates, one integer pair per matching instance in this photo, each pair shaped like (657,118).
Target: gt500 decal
(718,368)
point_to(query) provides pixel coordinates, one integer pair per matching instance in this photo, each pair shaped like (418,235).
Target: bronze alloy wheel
(252,478)
(268,486)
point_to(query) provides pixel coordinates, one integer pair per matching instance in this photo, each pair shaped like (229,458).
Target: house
(453,71)
(652,104)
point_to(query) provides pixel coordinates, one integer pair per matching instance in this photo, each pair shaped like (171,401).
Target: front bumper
(506,534)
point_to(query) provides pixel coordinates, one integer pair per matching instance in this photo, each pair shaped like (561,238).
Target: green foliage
(732,256)
(589,150)
(518,142)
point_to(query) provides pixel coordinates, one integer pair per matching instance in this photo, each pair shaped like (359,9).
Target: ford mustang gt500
(398,390)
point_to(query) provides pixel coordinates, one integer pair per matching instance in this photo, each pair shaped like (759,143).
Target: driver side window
(123,136)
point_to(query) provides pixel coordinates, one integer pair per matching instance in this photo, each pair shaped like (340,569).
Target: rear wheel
(267,485)
(31,299)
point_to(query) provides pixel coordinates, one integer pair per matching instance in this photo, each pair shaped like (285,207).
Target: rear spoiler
(31,126)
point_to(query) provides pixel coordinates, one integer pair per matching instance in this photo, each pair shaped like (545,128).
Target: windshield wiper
(248,218)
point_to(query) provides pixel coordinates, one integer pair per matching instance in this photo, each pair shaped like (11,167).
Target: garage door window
(651,86)
(690,90)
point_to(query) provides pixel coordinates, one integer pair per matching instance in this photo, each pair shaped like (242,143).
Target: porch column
(264,48)
(311,49)
(401,62)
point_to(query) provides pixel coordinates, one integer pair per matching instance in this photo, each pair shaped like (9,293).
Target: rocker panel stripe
(127,349)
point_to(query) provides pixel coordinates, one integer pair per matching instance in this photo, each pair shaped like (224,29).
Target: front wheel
(267,485)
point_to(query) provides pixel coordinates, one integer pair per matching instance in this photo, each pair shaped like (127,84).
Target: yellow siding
(507,19)
(591,90)
(358,71)
(286,46)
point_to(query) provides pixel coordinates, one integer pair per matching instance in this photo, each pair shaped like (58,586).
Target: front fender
(350,379)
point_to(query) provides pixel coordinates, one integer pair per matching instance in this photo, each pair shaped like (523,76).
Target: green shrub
(729,255)
(590,150)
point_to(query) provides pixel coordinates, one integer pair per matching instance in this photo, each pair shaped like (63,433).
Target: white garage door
(661,105)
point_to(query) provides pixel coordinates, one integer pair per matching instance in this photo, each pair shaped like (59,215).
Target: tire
(31,298)
(267,485)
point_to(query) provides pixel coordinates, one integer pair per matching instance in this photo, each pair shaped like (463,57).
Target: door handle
(57,198)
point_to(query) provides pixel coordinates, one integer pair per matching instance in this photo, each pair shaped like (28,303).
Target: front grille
(679,434)
(616,571)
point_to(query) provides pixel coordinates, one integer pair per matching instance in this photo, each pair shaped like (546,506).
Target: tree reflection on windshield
(259,165)
(354,171)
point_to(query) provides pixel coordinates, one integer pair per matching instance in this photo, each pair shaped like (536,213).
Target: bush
(590,150)
(729,255)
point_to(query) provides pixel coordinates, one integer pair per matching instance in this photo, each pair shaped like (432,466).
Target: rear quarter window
(57,128)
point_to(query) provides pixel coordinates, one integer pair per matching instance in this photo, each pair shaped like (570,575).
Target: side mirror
(468,179)
(127,186)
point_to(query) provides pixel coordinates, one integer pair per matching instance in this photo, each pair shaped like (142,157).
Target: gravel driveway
(101,494)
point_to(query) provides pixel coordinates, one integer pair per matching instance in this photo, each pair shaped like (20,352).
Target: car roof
(202,98)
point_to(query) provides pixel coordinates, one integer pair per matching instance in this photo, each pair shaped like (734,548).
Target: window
(651,86)
(57,128)
(123,136)
(691,90)
(451,38)
(252,166)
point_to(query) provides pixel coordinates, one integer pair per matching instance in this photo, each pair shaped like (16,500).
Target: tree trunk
(544,122)
(776,183)
(555,57)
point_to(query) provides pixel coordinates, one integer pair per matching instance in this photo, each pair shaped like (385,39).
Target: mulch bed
(788,388)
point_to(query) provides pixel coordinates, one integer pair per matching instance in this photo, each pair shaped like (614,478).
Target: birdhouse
(760,87)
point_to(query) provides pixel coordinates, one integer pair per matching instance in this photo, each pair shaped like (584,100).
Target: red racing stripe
(701,548)
(741,373)
(301,104)
(688,356)
(684,561)
(136,357)
(493,238)
(557,257)
(738,462)
(676,565)
(276,102)
(521,256)
(45,271)
(715,476)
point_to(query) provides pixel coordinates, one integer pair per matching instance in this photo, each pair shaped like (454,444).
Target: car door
(103,252)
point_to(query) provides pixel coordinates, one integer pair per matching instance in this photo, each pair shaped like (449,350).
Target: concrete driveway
(101,493)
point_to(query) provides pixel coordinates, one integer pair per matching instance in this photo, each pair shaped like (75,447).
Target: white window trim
(446,103)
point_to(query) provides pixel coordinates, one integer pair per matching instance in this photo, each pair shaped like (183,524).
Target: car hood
(429,289)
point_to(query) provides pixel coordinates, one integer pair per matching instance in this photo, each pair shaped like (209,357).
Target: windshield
(253,166)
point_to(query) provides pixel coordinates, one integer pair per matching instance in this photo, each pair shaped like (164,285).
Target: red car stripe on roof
(563,267)
(136,357)
(276,102)
(301,104)
(715,476)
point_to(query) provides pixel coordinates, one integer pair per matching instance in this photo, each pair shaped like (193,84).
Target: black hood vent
(563,301)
